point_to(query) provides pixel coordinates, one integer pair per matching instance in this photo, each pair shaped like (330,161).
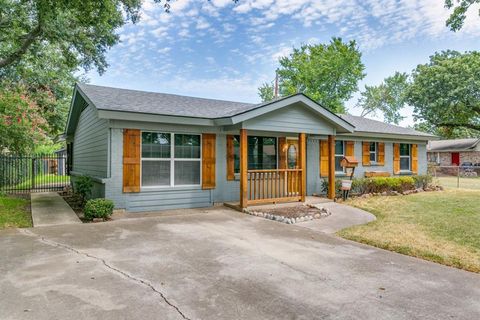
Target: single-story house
(151,151)
(454,152)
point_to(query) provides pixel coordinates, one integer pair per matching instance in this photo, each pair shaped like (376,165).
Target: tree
(444,92)
(387,98)
(81,29)
(266,92)
(460,8)
(447,133)
(21,123)
(327,73)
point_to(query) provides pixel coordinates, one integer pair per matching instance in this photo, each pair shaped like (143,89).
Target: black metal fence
(24,174)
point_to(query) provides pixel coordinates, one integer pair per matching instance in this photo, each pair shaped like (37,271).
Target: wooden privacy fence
(33,173)
(277,185)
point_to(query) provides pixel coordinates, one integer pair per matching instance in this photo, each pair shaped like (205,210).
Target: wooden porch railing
(277,185)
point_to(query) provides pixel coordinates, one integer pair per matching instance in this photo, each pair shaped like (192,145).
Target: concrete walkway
(342,217)
(49,209)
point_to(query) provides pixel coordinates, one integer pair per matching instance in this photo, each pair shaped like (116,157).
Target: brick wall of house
(473,156)
(445,158)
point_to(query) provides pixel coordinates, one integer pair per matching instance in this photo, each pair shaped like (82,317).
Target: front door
(455,158)
(292,154)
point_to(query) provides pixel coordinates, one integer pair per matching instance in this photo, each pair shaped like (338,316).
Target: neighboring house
(151,151)
(454,152)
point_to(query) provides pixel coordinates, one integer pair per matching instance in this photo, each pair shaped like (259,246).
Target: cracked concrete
(107,265)
(219,264)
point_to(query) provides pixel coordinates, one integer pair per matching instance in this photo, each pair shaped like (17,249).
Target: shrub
(83,186)
(324,186)
(375,185)
(98,208)
(423,181)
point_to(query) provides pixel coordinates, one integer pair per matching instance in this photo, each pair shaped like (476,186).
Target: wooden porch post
(302,146)
(243,168)
(331,167)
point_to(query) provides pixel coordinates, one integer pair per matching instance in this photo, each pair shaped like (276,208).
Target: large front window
(170,159)
(405,157)
(339,154)
(262,153)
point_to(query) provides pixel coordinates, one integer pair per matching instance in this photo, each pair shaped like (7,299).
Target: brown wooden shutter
(282,153)
(349,148)
(208,160)
(323,158)
(381,154)
(131,160)
(230,158)
(396,158)
(415,158)
(366,153)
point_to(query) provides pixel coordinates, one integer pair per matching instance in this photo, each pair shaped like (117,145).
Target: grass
(14,212)
(42,180)
(442,227)
(465,182)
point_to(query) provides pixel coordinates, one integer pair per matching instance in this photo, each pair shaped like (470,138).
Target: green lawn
(443,226)
(14,212)
(42,180)
(465,183)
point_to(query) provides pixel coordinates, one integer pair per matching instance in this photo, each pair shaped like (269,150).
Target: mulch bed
(293,211)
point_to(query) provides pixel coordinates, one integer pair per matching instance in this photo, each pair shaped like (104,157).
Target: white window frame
(374,152)
(172,160)
(404,157)
(338,155)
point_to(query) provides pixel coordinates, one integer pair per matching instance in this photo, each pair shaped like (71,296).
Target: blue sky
(216,49)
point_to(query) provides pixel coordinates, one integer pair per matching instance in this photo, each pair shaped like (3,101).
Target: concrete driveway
(219,264)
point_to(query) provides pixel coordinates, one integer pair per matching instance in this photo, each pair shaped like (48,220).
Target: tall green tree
(460,8)
(445,91)
(266,92)
(82,30)
(21,124)
(328,73)
(387,98)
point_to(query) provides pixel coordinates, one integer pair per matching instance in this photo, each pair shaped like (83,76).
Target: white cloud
(160,32)
(164,50)
(282,52)
(202,24)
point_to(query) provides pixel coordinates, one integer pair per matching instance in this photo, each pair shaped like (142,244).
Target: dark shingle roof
(116,99)
(368,125)
(453,145)
(125,100)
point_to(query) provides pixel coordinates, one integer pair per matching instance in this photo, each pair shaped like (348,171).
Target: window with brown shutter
(208,160)
(381,154)
(349,148)
(396,158)
(323,158)
(230,157)
(415,158)
(131,160)
(366,153)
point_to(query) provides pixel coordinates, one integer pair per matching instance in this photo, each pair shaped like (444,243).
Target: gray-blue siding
(90,145)
(225,191)
(98,142)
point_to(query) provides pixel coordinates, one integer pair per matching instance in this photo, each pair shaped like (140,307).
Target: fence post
(458,177)
(33,174)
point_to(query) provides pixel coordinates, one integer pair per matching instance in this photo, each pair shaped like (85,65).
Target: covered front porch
(287,182)
(285,125)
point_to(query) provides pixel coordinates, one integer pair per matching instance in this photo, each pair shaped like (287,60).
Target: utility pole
(276,85)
